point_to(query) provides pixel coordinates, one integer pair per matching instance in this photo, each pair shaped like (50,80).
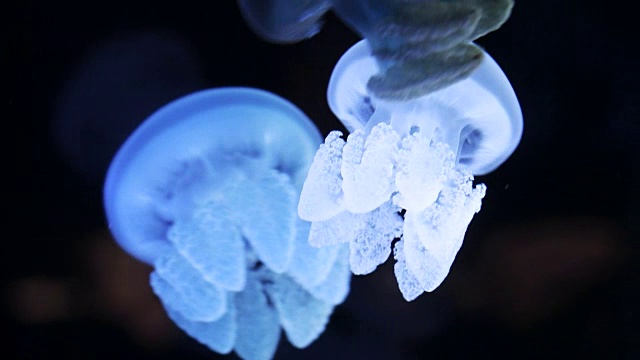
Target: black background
(548,265)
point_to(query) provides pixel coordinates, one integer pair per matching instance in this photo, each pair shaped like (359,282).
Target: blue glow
(205,190)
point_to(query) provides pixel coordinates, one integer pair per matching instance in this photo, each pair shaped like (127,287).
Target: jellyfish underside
(427,110)
(414,155)
(206,192)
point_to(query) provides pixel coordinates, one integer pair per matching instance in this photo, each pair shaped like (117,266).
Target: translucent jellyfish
(418,155)
(205,191)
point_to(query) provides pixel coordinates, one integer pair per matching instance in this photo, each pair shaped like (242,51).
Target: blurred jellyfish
(205,190)
(420,46)
(422,124)
(284,21)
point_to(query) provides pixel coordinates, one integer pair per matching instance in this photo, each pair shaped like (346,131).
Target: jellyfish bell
(205,192)
(188,150)
(479,117)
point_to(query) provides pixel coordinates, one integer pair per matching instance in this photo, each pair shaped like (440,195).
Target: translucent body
(418,155)
(205,190)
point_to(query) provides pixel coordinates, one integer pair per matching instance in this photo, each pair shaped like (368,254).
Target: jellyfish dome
(418,155)
(205,191)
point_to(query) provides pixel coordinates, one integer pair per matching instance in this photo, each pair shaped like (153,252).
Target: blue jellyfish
(205,191)
(418,156)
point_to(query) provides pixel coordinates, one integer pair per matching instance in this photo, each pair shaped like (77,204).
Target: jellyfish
(422,46)
(205,191)
(426,108)
(284,21)
(416,156)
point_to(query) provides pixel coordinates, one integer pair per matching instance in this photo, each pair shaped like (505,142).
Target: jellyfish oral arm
(389,175)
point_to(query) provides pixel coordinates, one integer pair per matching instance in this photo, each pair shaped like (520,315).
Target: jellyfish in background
(427,110)
(115,85)
(205,191)
(420,45)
